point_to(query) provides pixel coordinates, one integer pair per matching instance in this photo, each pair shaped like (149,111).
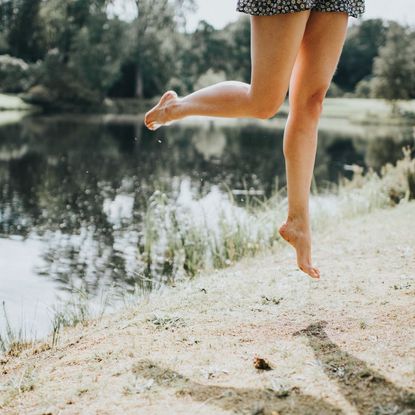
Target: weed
(18,385)
(75,311)
(12,342)
(167,322)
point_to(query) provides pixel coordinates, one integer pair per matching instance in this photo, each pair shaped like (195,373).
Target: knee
(266,108)
(312,102)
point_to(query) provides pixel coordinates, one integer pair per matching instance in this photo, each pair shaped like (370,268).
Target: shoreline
(180,348)
(359,112)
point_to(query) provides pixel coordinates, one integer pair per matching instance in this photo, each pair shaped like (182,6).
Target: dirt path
(344,345)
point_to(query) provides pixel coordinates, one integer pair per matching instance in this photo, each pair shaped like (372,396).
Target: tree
(6,18)
(26,35)
(85,50)
(394,68)
(239,34)
(359,51)
(153,42)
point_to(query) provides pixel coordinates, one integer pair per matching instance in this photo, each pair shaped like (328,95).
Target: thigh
(275,41)
(318,55)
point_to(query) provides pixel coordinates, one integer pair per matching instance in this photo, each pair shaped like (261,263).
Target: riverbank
(341,345)
(13,109)
(358,111)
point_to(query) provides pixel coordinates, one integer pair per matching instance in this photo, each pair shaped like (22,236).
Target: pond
(74,192)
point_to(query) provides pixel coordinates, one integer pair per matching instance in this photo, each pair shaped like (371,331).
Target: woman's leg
(275,41)
(313,70)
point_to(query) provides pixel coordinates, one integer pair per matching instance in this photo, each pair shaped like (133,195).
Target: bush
(210,77)
(335,91)
(15,74)
(65,82)
(364,89)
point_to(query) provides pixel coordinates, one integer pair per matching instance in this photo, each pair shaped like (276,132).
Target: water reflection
(80,188)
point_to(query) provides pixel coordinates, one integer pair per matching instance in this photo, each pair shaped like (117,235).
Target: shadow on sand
(368,391)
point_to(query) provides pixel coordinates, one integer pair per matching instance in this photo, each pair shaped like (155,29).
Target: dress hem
(345,10)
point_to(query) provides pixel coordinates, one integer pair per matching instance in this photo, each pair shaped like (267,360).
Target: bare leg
(275,41)
(314,68)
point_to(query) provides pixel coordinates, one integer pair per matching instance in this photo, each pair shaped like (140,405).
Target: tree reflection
(61,180)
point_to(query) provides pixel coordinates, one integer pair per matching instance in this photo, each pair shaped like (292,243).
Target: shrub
(15,74)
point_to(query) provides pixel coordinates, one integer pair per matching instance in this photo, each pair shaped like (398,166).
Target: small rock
(261,364)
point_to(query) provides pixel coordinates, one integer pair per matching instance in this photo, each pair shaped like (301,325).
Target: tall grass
(77,310)
(12,341)
(183,236)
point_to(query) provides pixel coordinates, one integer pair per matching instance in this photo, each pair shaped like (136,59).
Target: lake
(74,192)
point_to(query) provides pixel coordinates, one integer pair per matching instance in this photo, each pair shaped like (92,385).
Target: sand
(343,345)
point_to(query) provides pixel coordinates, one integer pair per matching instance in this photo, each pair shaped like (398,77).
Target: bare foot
(161,114)
(298,235)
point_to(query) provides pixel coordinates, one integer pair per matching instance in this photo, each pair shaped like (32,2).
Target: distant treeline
(76,52)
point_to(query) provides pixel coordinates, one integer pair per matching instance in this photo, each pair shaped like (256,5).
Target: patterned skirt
(354,8)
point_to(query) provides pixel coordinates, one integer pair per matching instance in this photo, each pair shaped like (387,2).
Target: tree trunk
(138,82)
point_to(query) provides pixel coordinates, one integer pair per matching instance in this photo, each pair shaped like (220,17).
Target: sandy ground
(344,345)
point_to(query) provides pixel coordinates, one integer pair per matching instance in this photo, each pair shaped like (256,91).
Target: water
(73,193)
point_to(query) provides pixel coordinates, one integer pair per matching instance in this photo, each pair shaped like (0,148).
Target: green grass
(13,109)
(362,110)
(14,103)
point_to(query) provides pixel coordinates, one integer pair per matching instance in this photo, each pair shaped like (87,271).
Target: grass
(367,110)
(23,382)
(167,322)
(12,342)
(180,239)
(14,103)
(75,311)
(358,111)
(13,109)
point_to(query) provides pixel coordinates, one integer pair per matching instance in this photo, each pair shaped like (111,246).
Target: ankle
(175,109)
(299,220)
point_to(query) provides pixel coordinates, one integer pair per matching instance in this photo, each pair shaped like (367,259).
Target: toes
(147,120)
(154,126)
(315,273)
(311,271)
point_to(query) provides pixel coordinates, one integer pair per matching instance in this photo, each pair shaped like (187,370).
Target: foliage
(26,35)
(209,78)
(394,68)
(15,74)
(153,44)
(85,53)
(360,49)
(180,240)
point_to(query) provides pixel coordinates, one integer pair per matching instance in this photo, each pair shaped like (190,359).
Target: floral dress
(354,8)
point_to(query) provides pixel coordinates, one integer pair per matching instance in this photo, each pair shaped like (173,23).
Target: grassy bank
(356,110)
(182,238)
(13,109)
(339,346)
(14,103)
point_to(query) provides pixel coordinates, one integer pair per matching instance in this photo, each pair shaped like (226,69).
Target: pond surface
(74,192)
